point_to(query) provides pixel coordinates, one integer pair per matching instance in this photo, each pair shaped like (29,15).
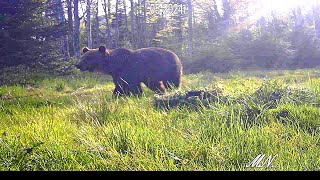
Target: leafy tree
(29,33)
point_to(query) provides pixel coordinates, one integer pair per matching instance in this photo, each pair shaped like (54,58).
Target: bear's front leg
(136,90)
(131,84)
(122,87)
(127,91)
(118,91)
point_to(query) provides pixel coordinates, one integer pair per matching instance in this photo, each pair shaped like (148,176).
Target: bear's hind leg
(169,85)
(172,83)
(156,86)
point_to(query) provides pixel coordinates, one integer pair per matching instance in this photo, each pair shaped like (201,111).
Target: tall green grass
(73,123)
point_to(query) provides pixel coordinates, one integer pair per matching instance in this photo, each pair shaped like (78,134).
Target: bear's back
(157,56)
(157,63)
(121,55)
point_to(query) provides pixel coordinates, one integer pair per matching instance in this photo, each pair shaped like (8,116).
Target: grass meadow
(73,123)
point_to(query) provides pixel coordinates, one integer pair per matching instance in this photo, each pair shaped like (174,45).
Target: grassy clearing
(72,123)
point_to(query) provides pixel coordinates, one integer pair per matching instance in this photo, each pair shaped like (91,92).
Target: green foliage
(246,51)
(22,75)
(29,75)
(216,57)
(61,67)
(28,33)
(306,45)
(267,52)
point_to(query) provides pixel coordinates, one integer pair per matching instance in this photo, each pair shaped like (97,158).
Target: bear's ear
(102,49)
(86,49)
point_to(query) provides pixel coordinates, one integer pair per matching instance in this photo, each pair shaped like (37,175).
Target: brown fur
(159,69)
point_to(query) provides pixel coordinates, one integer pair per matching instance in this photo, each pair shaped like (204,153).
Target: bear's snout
(79,66)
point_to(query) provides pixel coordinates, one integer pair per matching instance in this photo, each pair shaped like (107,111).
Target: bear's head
(94,60)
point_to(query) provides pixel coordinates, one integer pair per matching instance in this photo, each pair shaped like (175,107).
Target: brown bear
(159,69)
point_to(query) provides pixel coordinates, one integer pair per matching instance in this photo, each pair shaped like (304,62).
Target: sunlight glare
(281,6)
(284,6)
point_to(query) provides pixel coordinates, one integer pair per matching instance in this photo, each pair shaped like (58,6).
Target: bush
(216,58)
(21,74)
(29,75)
(27,35)
(271,53)
(241,51)
(307,48)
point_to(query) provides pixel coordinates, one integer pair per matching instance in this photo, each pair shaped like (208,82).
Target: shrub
(216,58)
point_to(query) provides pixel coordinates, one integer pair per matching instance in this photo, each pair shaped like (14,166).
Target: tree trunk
(70,28)
(117,25)
(263,25)
(125,16)
(109,32)
(298,18)
(177,24)
(76,29)
(138,23)
(216,11)
(61,19)
(89,35)
(316,14)
(154,34)
(106,9)
(226,14)
(190,30)
(133,42)
(213,19)
(144,24)
(65,48)
(97,27)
